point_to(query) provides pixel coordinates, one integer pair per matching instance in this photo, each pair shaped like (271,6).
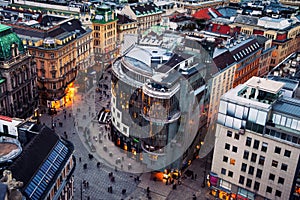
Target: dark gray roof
(124,19)
(261,39)
(142,9)
(288,106)
(35,154)
(175,59)
(227,12)
(245,19)
(289,83)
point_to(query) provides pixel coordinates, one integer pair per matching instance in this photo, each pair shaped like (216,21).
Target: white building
(8,126)
(257,143)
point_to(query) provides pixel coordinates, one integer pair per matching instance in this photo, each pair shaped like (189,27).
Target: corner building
(256,152)
(158,89)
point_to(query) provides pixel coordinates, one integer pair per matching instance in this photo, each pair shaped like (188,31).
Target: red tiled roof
(205,14)
(5,118)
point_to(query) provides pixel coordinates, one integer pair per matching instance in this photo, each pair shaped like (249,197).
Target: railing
(19,58)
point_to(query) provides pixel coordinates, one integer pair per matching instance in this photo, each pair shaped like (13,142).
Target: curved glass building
(158,91)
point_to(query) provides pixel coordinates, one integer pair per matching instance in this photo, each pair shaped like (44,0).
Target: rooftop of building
(7,39)
(266,85)
(256,92)
(227,11)
(141,9)
(266,22)
(42,159)
(289,84)
(289,67)
(207,13)
(124,19)
(159,58)
(288,106)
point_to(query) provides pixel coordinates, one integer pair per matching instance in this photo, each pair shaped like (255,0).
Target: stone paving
(97,177)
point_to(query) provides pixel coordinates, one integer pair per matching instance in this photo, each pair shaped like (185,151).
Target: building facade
(157,97)
(256,152)
(145,14)
(18,90)
(125,26)
(104,25)
(60,46)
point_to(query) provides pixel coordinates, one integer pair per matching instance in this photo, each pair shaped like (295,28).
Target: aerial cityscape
(139,100)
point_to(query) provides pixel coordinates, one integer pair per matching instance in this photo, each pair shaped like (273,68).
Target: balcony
(14,60)
(153,150)
(160,117)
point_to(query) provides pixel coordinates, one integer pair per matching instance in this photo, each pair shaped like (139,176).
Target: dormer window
(14,50)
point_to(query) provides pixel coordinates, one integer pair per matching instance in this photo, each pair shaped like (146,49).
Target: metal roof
(287,106)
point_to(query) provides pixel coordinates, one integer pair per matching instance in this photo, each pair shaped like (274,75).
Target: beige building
(290,2)
(125,26)
(146,15)
(104,25)
(256,152)
(60,46)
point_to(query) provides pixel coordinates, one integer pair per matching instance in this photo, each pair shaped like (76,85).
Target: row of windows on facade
(256,144)
(20,78)
(261,160)
(107,27)
(256,185)
(52,55)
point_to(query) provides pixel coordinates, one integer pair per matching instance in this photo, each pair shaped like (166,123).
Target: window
(246,155)
(251,170)
(253,157)
(225,159)
(284,167)
(230,173)
(241,180)
(234,149)
(271,177)
(269,189)
(236,136)
(274,163)
(287,153)
(244,167)
(281,180)
(229,133)
(264,147)
(223,171)
(258,173)
(278,193)
(277,150)
(249,183)
(256,185)
(227,146)
(261,160)
(256,144)
(248,141)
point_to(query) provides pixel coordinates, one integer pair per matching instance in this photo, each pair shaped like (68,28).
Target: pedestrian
(65,117)
(87,184)
(195,176)
(79,159)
